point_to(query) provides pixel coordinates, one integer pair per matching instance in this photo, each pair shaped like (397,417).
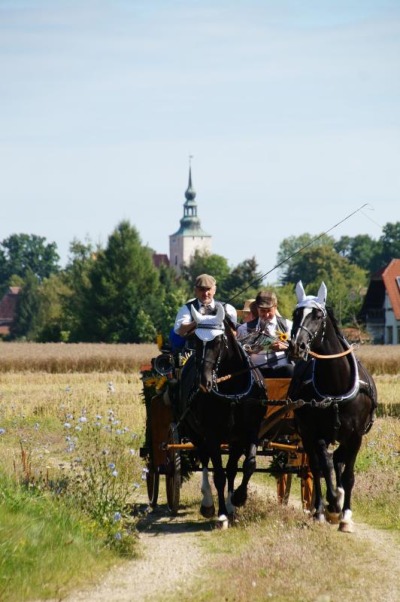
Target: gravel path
(173,554)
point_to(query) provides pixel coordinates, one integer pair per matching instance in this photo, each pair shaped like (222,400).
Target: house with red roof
(8,309)
(381,307)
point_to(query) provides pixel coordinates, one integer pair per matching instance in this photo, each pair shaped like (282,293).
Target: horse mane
(333,319)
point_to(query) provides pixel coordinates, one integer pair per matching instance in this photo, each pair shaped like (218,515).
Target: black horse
(222,402)
(340,399)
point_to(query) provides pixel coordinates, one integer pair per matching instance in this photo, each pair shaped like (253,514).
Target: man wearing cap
(204,290)
(273,360)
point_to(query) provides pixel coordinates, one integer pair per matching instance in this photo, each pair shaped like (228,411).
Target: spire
(190,193)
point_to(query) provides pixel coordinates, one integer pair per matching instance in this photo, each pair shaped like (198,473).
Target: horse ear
(322,293)
(220,312)
(195,314)
(300,292)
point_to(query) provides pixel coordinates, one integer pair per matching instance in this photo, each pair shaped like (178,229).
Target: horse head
(309,321)
(210,343)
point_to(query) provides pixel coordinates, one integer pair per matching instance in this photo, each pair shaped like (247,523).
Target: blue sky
(290,109)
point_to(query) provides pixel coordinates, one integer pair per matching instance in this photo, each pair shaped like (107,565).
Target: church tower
(190,237)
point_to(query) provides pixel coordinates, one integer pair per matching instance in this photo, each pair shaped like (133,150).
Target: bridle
(313,336)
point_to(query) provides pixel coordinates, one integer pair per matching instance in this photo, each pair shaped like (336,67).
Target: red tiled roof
(160,259)
(8,305)
(391,280)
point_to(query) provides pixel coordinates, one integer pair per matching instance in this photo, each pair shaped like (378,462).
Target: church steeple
(190,193)
(190,236)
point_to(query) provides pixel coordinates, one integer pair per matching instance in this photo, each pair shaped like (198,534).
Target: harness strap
(333,356)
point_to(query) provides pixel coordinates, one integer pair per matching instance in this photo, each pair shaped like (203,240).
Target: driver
(205,287)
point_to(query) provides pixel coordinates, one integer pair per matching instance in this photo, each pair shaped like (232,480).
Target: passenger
(272,358)
(249,311)
(204,290)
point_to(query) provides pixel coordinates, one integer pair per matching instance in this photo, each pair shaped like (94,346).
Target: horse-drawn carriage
(217,404)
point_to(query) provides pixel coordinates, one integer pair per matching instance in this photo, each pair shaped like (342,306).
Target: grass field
(54,401)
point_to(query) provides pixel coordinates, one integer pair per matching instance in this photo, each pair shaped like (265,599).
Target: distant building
(8,309)
(190,237)
(381,307)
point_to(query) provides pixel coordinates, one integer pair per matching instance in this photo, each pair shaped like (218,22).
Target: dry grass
(380,359)
(81,357)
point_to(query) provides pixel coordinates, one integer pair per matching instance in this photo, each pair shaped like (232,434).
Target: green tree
(345,281)
(204,262)
(361,250)
(244,281)
(76,287)
(20,253)
(290,257)
(123,281)
(390,241)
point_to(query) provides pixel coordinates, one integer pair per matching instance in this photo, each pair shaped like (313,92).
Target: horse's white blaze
(306,312)
(207,500)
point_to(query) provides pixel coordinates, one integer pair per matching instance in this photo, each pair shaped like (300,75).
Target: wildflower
(83,419)
(118,536)
(136,485)
(145,472)
(67,425)
(117,517)
(111,465)
(2,431)
(114,473)
(110,387)
(132,452)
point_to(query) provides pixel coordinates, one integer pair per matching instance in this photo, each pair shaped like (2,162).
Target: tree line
(115,294)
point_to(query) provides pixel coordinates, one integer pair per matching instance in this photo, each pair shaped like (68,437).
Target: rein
(333,356)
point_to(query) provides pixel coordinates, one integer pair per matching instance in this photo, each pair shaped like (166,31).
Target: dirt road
(175,553)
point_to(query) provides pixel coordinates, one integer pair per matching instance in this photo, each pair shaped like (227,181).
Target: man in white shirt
(272,358)
(204,289)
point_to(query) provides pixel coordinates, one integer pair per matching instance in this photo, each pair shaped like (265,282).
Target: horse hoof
(346,525)
(333,518)
(222,522)
(239,498)
(207,511)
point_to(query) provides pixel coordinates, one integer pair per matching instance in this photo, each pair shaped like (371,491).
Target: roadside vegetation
(71,477)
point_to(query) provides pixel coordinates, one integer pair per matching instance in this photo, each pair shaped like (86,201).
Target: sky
(290,111)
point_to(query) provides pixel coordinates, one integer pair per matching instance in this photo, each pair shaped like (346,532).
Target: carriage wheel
(307,491)
(173,472)
(283,485)
(153,484)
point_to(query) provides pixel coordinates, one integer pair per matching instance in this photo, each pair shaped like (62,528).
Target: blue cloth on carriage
(177,342)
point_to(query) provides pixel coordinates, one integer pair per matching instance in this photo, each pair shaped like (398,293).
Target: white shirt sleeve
(182,317)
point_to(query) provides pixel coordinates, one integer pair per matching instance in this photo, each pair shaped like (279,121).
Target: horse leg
(235,452)
(344,467)
(319,510)
(333,508)
(207,508)
(219,482)
(239,496)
